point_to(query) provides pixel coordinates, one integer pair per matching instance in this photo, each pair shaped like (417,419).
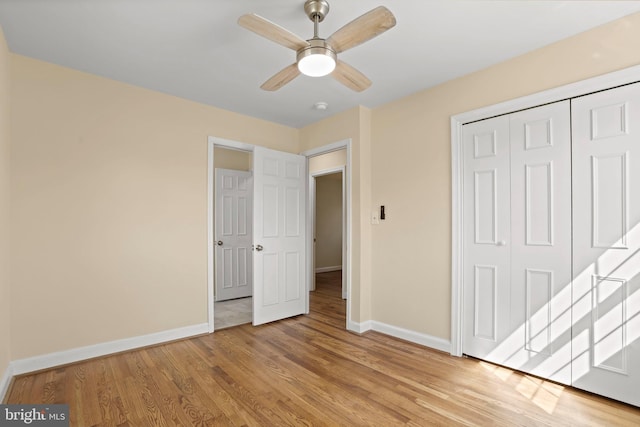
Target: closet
(551,241)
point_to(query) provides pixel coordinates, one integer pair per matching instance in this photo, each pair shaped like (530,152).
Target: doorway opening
(328,220)
(233,281)
(327,194)
(329,243)
(306,255)
(329,224)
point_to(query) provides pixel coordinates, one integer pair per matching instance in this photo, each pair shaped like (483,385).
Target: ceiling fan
(317,56)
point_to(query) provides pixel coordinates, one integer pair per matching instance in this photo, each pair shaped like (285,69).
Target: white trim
(334,146)
(346,260)
(210,228)
(232,145)
(456,238)
(46,361)
(359,328)
(311,243)
(328,269)
(5,382)
(401,333)
(346,212)
(412,336)
(603,82)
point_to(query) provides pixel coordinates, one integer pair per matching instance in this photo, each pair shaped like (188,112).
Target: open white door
(279,257)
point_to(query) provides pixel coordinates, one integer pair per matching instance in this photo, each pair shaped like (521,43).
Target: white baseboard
(412,336)
(328,269)
(31,364)
(405,334)
(359,328)
(5,382)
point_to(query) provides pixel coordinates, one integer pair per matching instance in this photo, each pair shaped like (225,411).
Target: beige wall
(5,309)
(412,167)
(328,246)
(332,160)
(231,159)
(109,206)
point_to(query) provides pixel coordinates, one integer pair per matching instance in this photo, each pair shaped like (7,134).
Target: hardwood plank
(308,370)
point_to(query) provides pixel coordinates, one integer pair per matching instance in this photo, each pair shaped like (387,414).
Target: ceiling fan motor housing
(318,50)
(316,9)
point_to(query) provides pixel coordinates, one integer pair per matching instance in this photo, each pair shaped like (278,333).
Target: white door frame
(346,232)
(312,211)
(606,81)
(213,142)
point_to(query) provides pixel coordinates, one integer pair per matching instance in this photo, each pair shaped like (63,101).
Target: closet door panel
(517,291)
(541,241)
(486,233)
(606,264)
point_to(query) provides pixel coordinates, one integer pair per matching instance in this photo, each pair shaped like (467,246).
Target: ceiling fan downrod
(316,10)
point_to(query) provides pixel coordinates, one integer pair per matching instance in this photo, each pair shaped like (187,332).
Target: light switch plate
(375,218)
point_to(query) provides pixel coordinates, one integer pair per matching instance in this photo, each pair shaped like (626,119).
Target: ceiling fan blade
(361,29)
(271,31)
(281,78)
(350,77)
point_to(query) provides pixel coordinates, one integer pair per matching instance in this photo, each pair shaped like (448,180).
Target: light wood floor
(308,371)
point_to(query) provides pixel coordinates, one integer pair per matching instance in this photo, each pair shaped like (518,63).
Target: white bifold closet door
(552,241)
(517,241)
(606,243)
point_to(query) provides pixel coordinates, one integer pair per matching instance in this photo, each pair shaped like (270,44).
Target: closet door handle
(501,243)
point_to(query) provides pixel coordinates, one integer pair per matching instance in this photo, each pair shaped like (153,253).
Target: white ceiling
(194,48)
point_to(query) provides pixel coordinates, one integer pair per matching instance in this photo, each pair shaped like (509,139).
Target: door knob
(501,243)
(259,248)
(219,242)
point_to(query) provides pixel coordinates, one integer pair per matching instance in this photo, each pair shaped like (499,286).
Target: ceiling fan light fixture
(317,59)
